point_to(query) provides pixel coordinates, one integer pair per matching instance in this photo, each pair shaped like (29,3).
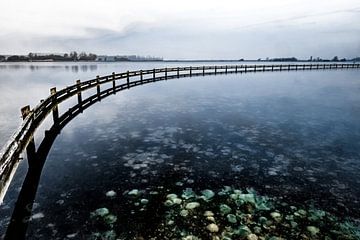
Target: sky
(186,29)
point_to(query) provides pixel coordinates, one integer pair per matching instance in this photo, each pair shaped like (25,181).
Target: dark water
(266,144)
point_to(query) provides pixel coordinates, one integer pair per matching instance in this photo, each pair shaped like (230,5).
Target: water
(288,141)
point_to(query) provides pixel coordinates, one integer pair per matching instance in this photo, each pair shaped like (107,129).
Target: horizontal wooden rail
(10,154)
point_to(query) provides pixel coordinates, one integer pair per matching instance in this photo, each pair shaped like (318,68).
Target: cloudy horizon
(183,30)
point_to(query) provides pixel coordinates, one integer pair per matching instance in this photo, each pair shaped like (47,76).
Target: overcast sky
(184,29)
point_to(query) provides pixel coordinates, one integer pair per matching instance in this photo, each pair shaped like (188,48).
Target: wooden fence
(32,118)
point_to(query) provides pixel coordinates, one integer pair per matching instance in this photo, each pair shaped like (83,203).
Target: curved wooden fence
(32,118)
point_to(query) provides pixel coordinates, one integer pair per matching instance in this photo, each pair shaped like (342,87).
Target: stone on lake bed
(184,213)
(192,205)
(37,216)
(207,194)
(251,236)
(111,194)
(312,230)
(208,214)
(134,192)
(144,201)
(231,218)
(224,209)
(100,212)
(276,216)
(171,196)
(212,227)
(110,219)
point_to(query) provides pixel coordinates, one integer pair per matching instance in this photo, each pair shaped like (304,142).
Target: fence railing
(32,118)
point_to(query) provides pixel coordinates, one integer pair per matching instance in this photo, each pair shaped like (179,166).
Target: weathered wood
(98,87)
(55,109)
(128,79)
(113,82)
(78,82)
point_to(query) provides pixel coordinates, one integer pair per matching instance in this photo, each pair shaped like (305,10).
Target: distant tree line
(72,56)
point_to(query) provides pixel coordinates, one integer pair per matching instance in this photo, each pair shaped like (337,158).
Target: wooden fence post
(30,148)
(113,82)
(203,70)
(98,86)
(141,76)
(226,69)
(165,73)
(245,68)
(236,68)
(128,79)
(215,69)
(178,72)
(55,109)
(78,86)
(154,75)
(190,71)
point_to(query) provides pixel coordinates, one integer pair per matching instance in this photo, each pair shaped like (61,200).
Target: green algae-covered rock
(231,218)
(224,209)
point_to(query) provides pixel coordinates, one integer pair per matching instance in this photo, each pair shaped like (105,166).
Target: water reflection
(74,68)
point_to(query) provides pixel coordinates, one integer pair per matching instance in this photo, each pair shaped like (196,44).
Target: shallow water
(293,137)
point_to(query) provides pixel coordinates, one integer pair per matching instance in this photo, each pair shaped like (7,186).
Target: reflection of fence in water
(23,138)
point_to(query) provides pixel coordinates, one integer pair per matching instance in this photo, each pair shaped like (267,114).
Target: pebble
(213,227)
(111,194)
(192,205)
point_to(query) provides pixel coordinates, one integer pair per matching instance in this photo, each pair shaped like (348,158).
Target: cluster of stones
(235,214)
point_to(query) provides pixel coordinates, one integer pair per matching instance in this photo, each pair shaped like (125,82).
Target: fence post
(215,70)
(98,86)
(141,76)
(165,73)
(154,75)
(113,82)
(30,148)
(255,68)
(203,70)
(55,109)
(280,67)
(272,68)
(245,67)
(78,86)
(190,71)
(236,68)
(226,68)
(128,79)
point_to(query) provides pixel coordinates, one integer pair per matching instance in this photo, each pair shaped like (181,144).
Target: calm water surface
(274,155)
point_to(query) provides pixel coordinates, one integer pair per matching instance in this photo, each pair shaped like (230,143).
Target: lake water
(273,155)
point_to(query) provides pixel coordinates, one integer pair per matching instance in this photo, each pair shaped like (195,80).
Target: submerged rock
(111,194)
(224,209)
(101,212)
(188,193)
(276,216)
(212,227)
(134,192)
(231,218)
(251,236)
(313,230)
(192,205)
(207,194)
